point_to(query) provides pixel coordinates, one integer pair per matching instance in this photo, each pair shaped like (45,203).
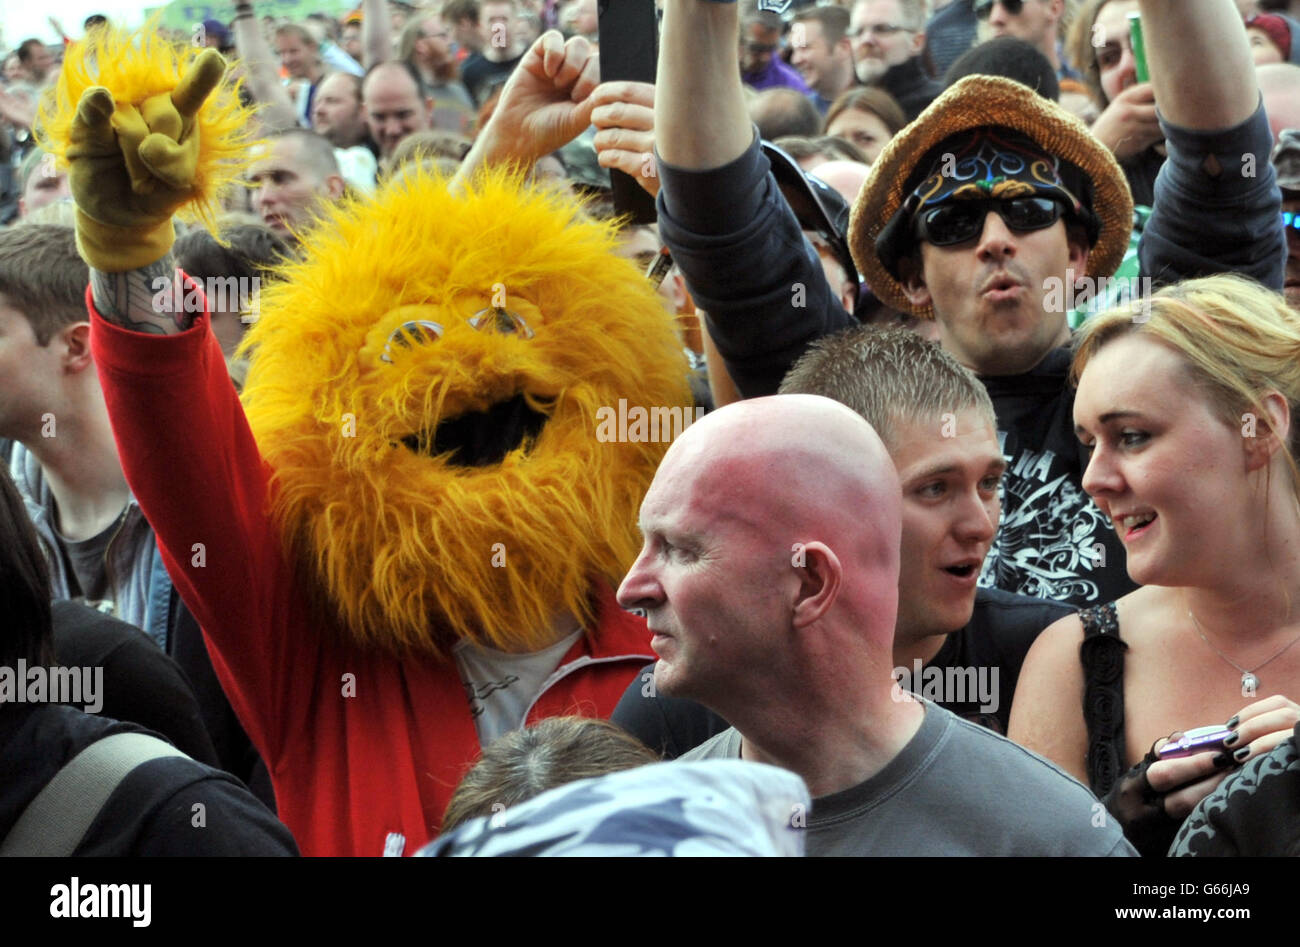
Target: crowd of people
(922,481)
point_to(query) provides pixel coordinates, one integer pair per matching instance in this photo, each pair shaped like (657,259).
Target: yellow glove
(131,168)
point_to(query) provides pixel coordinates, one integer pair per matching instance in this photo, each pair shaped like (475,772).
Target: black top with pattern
(1102,654)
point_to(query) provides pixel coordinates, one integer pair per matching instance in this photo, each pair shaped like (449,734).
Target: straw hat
(979,102)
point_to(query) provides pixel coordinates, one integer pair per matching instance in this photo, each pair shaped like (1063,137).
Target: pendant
(1249,684)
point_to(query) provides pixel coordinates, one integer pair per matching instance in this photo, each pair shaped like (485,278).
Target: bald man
(846,177)
(293,177)
(394,105)
(769,578)
(1279,85)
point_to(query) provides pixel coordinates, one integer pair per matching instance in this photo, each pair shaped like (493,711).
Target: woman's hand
(1257,728)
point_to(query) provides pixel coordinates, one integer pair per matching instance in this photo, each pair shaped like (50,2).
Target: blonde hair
(1239,341)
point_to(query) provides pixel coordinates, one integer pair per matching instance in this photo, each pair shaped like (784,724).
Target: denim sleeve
(748,266)
(1217,207)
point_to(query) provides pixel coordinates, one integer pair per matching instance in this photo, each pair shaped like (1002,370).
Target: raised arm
(1200,62)
(546,103)
(264,82)
(731,232)
(183,440)
(699,103)
(1217,205)
(376,33)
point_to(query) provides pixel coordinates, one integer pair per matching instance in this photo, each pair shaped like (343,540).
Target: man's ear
(1077,244)
(1264,436)
(682,302)
(335,186)
(913,279)
(819,586)
(75,339)
(918,43)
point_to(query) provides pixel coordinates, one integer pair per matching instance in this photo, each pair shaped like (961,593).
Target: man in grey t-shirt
(955,789)
(769,578)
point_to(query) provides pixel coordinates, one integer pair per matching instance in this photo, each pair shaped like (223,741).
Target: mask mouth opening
(481,438)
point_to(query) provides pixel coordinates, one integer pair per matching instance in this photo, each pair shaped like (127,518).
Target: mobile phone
(1187,742)
(1139,48)
(629,50)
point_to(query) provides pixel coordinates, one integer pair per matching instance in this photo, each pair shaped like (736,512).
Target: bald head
(781,112)
(1279,84)
(770,518)
(394,105)
(847,177)
(789,462)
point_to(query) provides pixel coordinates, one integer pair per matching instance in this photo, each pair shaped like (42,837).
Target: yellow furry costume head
(425,387)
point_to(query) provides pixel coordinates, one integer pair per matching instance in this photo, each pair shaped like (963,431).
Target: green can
(1139,48)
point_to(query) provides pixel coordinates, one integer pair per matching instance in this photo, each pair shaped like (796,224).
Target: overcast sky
(23,18)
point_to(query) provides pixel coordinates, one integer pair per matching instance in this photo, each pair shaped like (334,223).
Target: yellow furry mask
(425,386)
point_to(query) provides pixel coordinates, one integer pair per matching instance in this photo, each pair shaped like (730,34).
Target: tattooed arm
(127,299)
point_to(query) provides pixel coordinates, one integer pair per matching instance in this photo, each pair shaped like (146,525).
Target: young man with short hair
(57,442)
(293,176)
(1037,22)
(823,53)
(300,58)
(63,458)
(500,53)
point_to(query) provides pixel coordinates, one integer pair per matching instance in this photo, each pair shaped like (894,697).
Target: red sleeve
(192,464)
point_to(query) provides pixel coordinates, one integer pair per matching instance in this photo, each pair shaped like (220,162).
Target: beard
(869,70)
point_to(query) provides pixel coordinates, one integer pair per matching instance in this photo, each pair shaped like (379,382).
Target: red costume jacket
(359,744)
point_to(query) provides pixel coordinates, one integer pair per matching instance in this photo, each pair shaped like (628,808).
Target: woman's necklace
(1249,680)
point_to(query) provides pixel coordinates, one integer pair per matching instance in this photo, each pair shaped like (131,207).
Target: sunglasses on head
(984,8)
(958,221)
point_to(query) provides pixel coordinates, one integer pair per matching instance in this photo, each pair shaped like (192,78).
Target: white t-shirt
(501,687)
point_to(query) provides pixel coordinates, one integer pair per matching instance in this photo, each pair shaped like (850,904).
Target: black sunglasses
(959,221)
(984,8)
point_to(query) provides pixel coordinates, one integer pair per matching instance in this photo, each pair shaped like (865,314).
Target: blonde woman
(1187,403)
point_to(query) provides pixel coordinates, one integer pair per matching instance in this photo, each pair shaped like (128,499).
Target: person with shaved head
(294,177)
(769,579)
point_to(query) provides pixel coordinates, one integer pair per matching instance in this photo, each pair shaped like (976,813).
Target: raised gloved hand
(131,168)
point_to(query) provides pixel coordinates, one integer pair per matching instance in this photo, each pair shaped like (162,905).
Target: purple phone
(1187,742)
